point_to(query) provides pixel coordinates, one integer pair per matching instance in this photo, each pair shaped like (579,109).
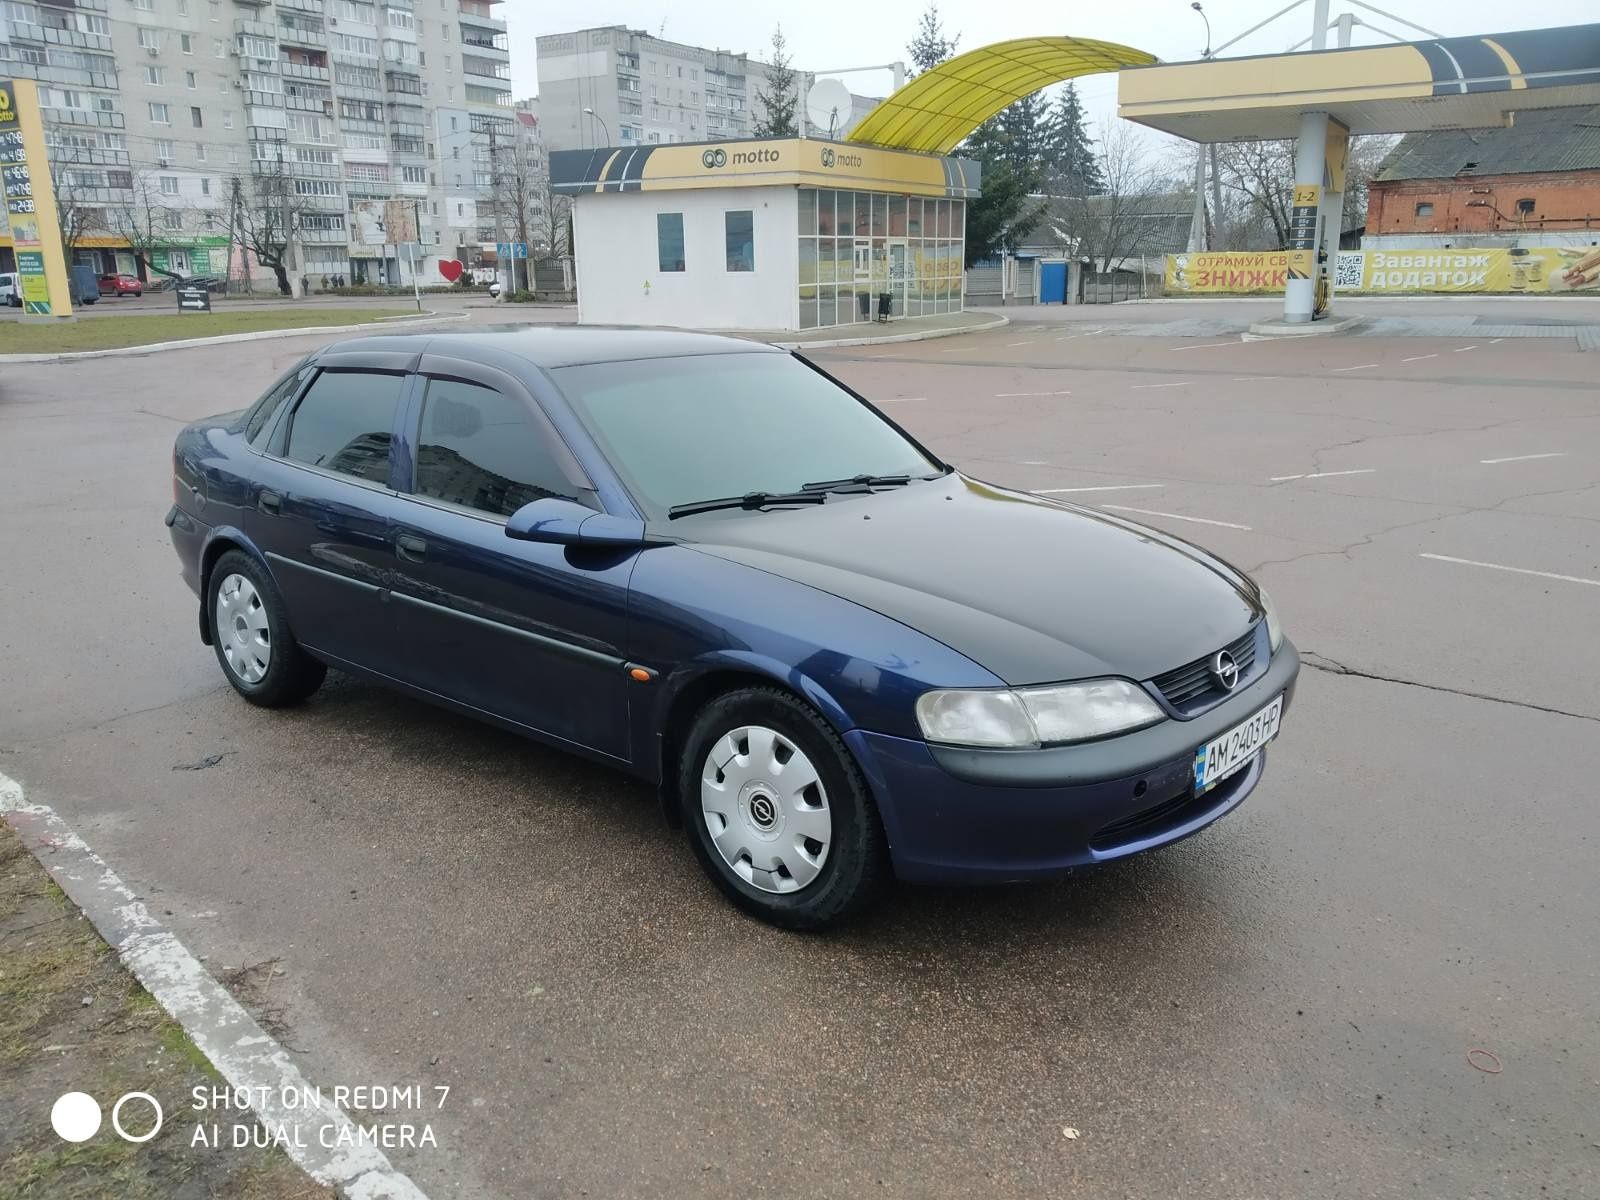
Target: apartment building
(172,123)
(615,86)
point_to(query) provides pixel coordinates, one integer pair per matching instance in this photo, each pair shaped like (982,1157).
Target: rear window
(258,421)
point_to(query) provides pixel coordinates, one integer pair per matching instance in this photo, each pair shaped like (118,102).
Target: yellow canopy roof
(939,108)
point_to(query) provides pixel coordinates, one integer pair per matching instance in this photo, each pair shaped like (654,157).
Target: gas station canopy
(936,111)
(1446,83)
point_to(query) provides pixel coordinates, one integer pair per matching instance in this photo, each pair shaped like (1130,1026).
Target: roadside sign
(193,298)
(30,203)
(505,250)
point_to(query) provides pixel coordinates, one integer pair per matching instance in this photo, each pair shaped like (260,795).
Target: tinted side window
(344,423)
(259,422)
(480,449)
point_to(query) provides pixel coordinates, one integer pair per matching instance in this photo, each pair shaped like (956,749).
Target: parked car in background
(121,285)
(708,563)
(11,289)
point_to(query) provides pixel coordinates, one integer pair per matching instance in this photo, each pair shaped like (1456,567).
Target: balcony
(295,70)
(301,31)
(310,6)
(325,237)
(82,116)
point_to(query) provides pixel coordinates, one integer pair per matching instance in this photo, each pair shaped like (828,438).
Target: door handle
(270,502)
(412,549)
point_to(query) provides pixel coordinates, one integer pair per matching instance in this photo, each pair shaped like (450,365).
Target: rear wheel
(777,810)
(250,633)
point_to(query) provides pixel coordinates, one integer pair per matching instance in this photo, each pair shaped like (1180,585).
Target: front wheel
(777,810)
(250,633)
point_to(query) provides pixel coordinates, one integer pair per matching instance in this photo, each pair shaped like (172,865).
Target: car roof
(553,346)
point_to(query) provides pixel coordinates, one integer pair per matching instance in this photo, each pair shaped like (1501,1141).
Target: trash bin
(885,299)
(865,301)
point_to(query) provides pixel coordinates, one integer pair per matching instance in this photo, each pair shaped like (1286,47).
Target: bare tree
(1258,181)
(518,199)
(77,218)
(1130,216)
(147,220)
(270,210)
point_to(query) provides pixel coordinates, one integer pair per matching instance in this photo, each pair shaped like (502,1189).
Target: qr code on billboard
(1347,272)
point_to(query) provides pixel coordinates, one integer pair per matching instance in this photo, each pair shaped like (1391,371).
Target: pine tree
(1071,165)
(778,99)
(930,47)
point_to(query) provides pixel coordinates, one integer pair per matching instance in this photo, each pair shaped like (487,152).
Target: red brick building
(1537,182)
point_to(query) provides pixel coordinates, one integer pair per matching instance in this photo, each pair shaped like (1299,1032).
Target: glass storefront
(857,247)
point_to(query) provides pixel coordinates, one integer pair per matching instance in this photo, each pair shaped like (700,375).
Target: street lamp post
(591,112)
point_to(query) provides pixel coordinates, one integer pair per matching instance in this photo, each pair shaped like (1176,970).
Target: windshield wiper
(748,500)
(864,481)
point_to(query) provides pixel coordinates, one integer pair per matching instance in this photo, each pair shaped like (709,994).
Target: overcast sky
(825,34)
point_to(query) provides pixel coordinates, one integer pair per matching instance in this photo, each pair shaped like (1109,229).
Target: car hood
(1033,589)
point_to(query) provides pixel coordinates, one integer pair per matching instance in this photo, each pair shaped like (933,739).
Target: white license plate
(1222,756)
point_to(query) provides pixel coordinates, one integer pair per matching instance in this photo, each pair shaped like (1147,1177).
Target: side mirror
(567,523)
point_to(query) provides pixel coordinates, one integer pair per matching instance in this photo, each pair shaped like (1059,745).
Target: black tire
(856,864)
(291,673)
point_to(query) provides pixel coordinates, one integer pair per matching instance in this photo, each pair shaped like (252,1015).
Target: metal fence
(1119,285)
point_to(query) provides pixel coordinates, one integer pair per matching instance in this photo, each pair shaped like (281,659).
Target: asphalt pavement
(1281,1006)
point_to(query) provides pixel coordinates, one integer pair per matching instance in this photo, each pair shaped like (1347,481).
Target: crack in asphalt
(1331,666)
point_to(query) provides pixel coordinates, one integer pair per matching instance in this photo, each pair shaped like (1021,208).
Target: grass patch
(112,333)
(51,961)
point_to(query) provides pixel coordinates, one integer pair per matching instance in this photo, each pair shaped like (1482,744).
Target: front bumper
(958,815)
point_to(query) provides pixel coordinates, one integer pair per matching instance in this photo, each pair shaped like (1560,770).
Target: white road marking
(1324,474)
(958,349)
(1109,487)
(1464,349)
(1470,562)
(1359,367)
(1492,341)
(1185,383)
(1029,342)
(1418,357)
(1207,346)
(999,395)
(1255,378)
(320,1136)
(1150,512)
(1489,462)
(901,399)
(1034,462)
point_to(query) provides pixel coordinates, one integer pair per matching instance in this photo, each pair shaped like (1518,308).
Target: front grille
(1192,686)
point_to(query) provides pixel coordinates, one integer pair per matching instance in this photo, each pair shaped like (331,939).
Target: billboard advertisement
(1523,270)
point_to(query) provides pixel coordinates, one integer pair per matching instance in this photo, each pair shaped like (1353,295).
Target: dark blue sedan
(710,564)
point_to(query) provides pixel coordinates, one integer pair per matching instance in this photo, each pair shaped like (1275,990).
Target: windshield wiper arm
(748,500)
(866,481)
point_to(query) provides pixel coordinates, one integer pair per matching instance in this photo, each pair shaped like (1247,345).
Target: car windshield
(680,430)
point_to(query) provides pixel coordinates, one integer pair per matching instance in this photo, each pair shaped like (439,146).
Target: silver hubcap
(766,809)
(242,629)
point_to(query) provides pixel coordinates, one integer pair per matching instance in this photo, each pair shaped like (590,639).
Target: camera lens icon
(76,1117)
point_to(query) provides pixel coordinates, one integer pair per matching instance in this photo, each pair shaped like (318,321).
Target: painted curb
(260,335)
(1278,329)
(921,335)
(242,1052)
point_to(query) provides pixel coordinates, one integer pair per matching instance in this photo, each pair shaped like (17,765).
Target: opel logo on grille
(1225,671)
(714,158)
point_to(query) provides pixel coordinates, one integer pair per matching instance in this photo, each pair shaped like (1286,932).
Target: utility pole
(422,253)
(233,223)
(290,261)
(494,199)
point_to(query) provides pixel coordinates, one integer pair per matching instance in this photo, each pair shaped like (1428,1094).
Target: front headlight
(1274,626)
(1037,716)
